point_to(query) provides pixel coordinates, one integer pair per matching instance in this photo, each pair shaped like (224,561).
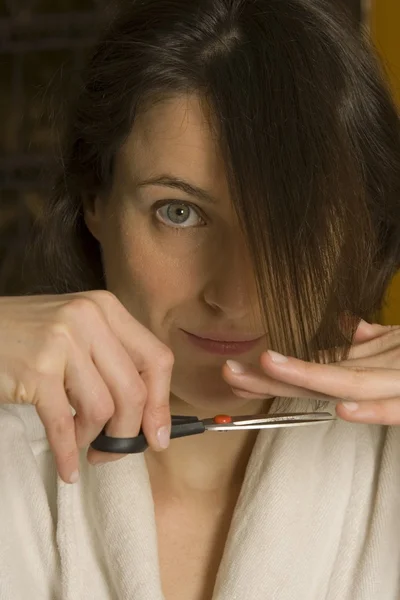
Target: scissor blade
(269,421)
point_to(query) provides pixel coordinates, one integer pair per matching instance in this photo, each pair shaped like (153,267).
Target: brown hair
(310,136)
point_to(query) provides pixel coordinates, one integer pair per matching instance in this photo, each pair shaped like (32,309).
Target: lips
(224,344)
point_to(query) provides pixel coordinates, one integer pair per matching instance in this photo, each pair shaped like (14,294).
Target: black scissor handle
(106,443)
(181,427)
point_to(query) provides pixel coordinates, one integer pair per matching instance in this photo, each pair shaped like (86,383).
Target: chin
(211,396)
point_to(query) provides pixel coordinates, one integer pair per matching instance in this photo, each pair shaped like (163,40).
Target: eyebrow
(179,184)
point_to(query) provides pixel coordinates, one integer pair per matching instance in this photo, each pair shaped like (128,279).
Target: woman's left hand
(366,385)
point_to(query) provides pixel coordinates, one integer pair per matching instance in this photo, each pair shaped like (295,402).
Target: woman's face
(174,253)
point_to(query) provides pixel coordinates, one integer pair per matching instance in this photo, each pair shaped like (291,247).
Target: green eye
(179,214)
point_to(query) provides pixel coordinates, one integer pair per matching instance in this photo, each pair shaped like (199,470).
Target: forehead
(174,137)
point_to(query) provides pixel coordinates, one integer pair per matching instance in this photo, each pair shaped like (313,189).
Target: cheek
(152,278)
(157,270)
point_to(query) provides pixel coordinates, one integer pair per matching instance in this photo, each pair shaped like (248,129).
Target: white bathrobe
(318,518)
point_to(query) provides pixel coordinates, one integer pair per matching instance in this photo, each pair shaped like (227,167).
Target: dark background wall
(42,44)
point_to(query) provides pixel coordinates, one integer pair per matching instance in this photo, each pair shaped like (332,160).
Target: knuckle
(132,387)
(383,413)
(43,365)
(164,358)
(69,456)
(102,297)
(62,426)
(78,309)
(59,331)
(56,338)
(159,414)
(102,412)
(158,418)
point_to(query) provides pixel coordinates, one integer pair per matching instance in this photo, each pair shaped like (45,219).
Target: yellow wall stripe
(385,29)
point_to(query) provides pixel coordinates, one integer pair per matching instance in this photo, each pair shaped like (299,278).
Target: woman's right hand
(86,351)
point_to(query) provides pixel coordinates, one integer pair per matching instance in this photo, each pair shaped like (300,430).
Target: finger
(368,331)
(137,340)
(250,382)
(356,383)
(364,334)
(386,412)
(126,388)
(55,413)
(390,359)
(127,419)
(89,395)
(122,350)
(386,340)
(153,360)
(157,376)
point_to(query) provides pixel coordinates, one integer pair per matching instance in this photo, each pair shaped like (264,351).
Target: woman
(230,185)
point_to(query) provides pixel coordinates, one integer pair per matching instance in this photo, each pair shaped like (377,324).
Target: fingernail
(74,477)
(163,437)
(276,357)
(351,406)
(236,367)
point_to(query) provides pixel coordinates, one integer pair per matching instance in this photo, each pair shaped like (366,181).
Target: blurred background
(42,46)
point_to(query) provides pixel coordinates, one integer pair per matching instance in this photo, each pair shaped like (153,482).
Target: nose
(231,287)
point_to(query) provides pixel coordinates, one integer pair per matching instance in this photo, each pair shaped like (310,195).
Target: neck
(213,462)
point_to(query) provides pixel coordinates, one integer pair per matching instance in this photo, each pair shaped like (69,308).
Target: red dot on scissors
(221,419)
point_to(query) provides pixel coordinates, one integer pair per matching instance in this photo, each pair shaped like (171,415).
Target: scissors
(182,426)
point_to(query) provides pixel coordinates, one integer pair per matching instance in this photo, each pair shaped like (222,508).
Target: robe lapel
(287,525)
(114,528)
(125,506)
